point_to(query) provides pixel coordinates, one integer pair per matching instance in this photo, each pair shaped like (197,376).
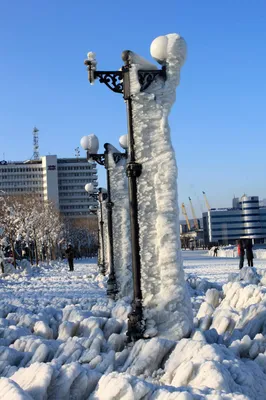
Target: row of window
(71,194)
(25,190)
(67,175)
(213,217)
(17,184)
(74,207)
(76,200)
(250,208)
(72,187)
(237,236)
(87,166)
(248,201)
(69,214)
(72,181)
(20,169)
(235,222)
(236,229)
(19,177)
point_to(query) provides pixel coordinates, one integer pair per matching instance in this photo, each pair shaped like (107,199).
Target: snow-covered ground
(231,251)
(61,338)
(215,269)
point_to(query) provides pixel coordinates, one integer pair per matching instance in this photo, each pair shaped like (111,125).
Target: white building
(245,220)
(60,180)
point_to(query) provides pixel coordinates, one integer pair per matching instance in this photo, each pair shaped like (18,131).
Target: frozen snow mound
(167,306)
(117,386)
(75,347)
(236,315)
(199,365)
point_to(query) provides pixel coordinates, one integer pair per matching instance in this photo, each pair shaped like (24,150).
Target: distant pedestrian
(241,253)
(70,257)
(249,252)
(215,252)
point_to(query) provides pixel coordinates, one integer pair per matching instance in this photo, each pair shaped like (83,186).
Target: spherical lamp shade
(123,141)
(158,49)
(89,187)
(90,143)
(91,56)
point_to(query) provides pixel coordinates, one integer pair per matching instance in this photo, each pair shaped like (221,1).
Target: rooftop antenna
(36,154)
(77,152)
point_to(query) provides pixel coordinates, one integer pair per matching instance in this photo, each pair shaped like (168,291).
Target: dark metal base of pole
(112,287)
(102,269)
(136,323)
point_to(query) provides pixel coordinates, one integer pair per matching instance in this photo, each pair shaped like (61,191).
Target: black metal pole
(111,283)
(99,251)
(102,266)
(136,324)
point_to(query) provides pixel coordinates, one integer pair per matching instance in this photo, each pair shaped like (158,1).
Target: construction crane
(206,201)
(196,224)
(184,212)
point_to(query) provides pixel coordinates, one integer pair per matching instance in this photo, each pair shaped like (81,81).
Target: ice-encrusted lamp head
(91,56)
(89,187)
(90,143)
(158,49)
(168,46)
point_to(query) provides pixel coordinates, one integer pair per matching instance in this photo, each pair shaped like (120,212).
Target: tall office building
(245,220)
(60,180)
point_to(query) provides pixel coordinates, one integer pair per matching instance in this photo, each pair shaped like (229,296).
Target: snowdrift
(72,345)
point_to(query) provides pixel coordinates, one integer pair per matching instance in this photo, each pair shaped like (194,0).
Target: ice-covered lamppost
(90,143)
(119,82)
(101,195)
(160,296)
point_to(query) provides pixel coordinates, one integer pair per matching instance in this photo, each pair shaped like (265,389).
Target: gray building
(245,220)
(60,180)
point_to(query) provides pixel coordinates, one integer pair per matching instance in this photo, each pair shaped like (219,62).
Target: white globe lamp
(123,141)
(89,187)
(90,143)
(158,49)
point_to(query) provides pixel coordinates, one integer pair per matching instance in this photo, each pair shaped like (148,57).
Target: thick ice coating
(165,297)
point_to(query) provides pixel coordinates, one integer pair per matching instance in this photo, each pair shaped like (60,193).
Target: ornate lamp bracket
(114,79)
(119,156)
(99,158)
(147,77)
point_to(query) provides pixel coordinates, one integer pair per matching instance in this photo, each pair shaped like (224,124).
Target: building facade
(60,180)
(245,220)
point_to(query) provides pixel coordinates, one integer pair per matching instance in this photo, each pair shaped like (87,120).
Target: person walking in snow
(249,252)
(215,252)
(70,257)
(241,253)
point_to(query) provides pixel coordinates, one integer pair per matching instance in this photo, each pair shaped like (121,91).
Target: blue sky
(218,123)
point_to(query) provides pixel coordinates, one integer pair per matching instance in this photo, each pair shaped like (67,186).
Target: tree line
(34,229)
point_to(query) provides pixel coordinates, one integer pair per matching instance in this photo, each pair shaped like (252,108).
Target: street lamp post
(100,196)
(103,159)
(119,82)
(94,211)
